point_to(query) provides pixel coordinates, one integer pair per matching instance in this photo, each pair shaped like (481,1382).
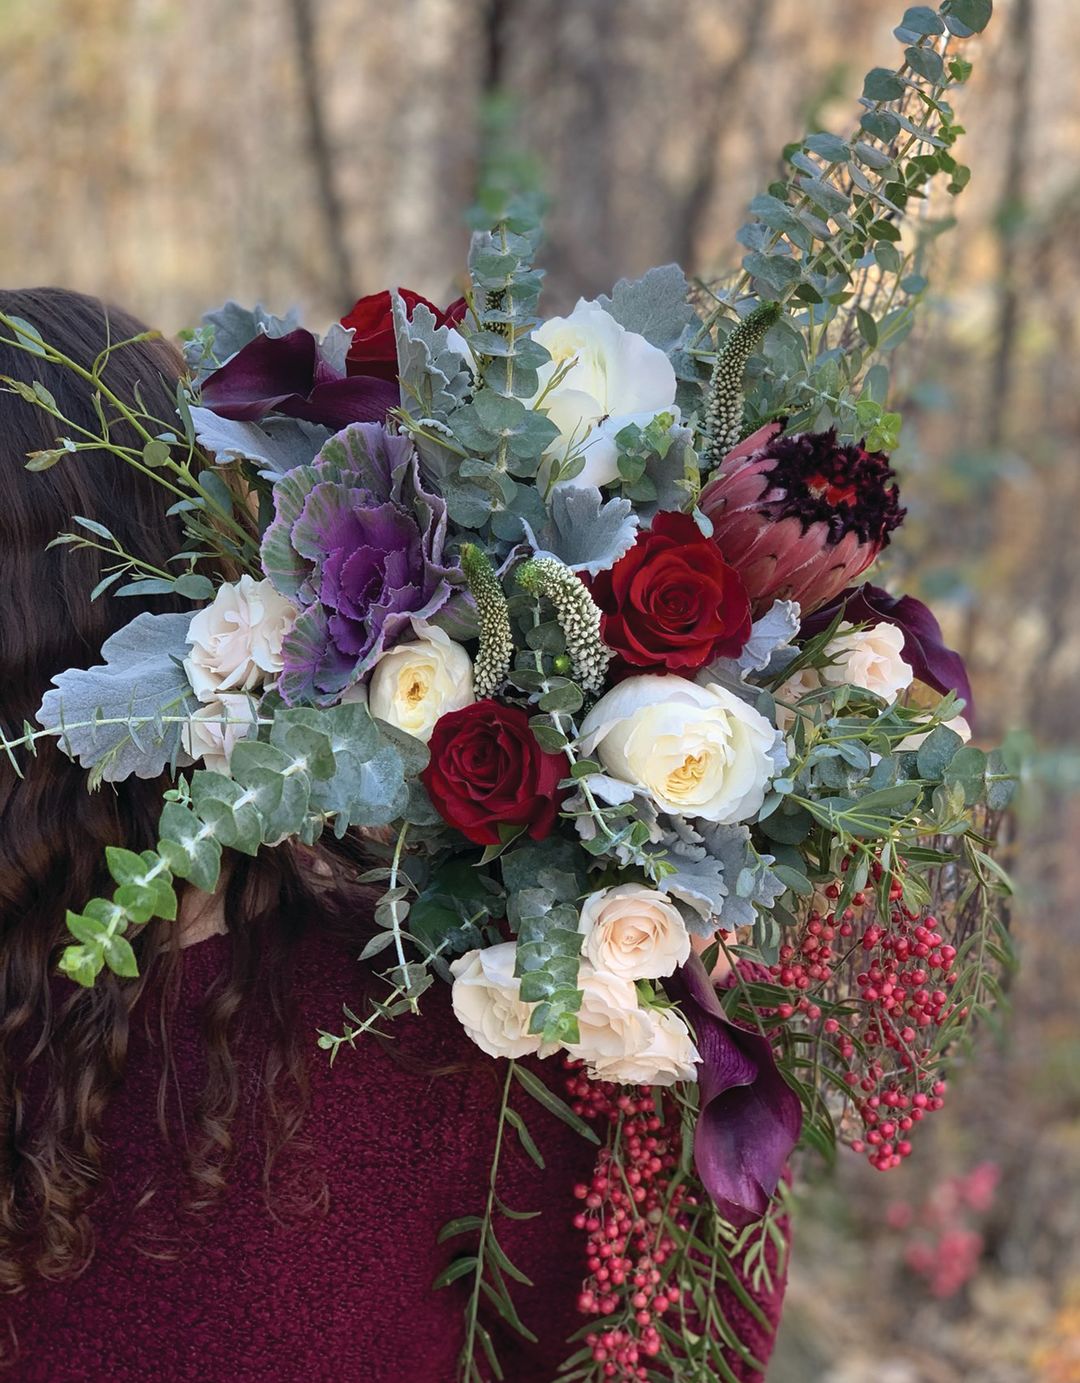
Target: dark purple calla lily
(749,1118)
(925,650)
(285,374)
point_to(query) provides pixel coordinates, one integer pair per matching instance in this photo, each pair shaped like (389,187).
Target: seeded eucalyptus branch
(827,241)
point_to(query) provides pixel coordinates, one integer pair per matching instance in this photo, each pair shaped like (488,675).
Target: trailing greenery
(312,767)
(487,1264)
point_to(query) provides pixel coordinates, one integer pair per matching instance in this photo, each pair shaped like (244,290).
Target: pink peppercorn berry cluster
(891,1005)
(627,1249)
(944,1245)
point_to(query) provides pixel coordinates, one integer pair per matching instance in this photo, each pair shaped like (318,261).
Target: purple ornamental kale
(287,374)
(749,1118)
(357,544)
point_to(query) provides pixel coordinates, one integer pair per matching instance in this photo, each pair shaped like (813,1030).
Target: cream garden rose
(213,730)
(611,1023)
(624,1042)
(236,639)
(487,1002)
(869,658)
(616,378)
(413,684)
(697,751)
(633,931)
(669,1056)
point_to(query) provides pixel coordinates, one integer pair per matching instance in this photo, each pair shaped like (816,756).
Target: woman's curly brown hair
(63,1049)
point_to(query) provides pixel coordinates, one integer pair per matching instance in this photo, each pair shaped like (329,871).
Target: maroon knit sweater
(343,1296)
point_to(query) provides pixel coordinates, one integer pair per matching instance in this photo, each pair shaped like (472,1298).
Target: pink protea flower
(800,517)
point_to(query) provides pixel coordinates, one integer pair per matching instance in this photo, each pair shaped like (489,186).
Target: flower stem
(473,1309)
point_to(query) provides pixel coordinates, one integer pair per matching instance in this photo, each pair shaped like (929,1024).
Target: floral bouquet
(569,616)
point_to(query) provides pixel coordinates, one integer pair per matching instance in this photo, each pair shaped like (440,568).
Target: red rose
(373,350)
(488,770)
(672,601)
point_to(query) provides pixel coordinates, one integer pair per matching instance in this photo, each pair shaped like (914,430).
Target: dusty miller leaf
(434,377)
(276,445)
(233,327)
(141,677)
(585,532)
(654,306)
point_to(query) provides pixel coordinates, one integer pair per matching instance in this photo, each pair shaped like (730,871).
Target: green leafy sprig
(827,242)
(315,766)
(487,1265)
(164,457)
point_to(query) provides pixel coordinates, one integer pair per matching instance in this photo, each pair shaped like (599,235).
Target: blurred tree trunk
(320,148)
(1008,225)
(723,92)
(1011,211)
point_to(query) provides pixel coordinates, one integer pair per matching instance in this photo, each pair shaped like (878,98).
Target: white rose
(633,931)
(696,751)
(869,658)
(236,639)
(669,1057)
(611,1024)
(413,684)
(616,378)
(212,731)
(487,1002)
(625,1043)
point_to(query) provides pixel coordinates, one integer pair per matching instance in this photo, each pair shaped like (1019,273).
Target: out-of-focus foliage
(172,153)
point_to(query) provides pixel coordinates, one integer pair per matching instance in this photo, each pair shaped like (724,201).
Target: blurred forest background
(168,154)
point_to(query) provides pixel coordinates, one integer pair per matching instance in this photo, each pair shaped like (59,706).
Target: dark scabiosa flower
(356,543)
(287,374)
(800,517)
(925,650)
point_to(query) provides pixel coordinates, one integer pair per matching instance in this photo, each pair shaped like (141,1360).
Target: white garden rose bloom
(487,1002)
(869,658)
(616,378)
(669,1057)
(413,684)
(621,1041)
(697,751)
(213,730)
(236,639)
(611,1024)
(633,931)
